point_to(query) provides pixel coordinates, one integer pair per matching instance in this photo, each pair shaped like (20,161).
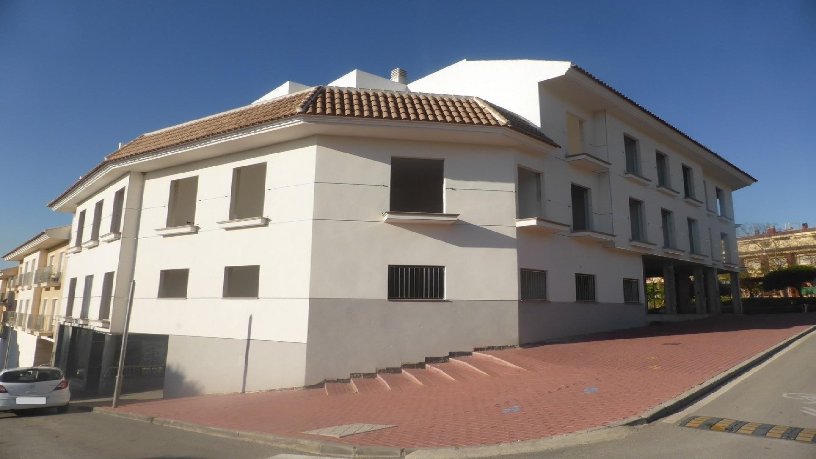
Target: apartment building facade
(33,298)
(772,249)
(323,231)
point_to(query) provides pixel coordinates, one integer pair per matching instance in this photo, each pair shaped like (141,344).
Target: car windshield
(30,375)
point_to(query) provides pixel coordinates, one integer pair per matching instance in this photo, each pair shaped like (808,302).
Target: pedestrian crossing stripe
(755,429)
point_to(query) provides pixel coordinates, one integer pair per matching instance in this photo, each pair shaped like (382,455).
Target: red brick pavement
(560,388)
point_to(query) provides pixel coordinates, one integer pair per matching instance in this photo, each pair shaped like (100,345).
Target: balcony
(589,162)
(48,276)
(32,323)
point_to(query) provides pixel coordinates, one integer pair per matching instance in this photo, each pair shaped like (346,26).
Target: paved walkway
(509,395)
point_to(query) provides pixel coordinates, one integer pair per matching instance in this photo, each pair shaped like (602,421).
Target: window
(688,182)
(631,291)
(241,281)
(97,220)
(116,216)
(181,205)
(667,220)
(248,190)
(107,296)
(529,193)
(69,304)
(173,283)
(636,220)
(694,236)
(575,134)
(724,248)
(416,282)
(80,229)
(584,287)
(721,210)
(417,185)
(580,208)
(86,297)
(533,284)
(663,177)
(632,160)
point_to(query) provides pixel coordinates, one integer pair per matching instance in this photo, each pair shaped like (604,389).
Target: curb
(296,444)
(611,431)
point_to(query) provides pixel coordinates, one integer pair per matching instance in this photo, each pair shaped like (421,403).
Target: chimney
(399,75)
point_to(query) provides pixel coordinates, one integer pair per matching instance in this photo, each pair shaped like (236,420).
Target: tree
(758,242)
(795,276)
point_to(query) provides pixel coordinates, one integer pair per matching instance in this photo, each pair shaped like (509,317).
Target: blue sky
(76,78)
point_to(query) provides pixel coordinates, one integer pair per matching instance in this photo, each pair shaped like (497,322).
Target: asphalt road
(83,434)
(782,391)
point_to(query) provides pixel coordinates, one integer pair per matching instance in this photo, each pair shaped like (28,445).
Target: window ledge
(697,256)
(732,266)
(589,162)
(110,237)
(543,301)
(668,191)
(645,245)
(591,235)
(420,217)
(725,218)
(74,249)
(90,244)
(541,224)
(637,178)
(250,222)
(673,251)
(418,300)
(177,230)
(693,201)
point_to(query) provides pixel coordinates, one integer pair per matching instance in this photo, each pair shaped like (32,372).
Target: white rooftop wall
(289,87)
(364,80)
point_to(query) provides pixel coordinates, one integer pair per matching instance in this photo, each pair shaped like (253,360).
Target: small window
(86,297)
(97,220)
(721,202)
(694,236)
(80,229)
(241,281)
(533,284)
(173,283)
(580,208)
(529,193)
(116,215)
(667,220)
(636,220)
(417,185)
(725,250)
(181,205)
(575,134)
(663,177)
(632,160)
(631,291)
(248,190)
(688,182)
(584,287)
(69,303)
(416,282)
(107,296)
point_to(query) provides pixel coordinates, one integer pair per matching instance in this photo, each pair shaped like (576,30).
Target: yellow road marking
(749,428)
(806,435)
(776,431)
(722,425)
(694,423)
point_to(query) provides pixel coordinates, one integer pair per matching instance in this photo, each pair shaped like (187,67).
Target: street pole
(117,388)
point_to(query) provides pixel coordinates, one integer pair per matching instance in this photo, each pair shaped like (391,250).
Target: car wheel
(62,409)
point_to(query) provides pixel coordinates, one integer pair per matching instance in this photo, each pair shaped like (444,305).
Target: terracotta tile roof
(327,101)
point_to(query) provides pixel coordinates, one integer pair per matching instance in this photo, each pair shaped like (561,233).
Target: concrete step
(400,381)
(339,388)
(369,385)
(458,370)
(429,376)
(492,365)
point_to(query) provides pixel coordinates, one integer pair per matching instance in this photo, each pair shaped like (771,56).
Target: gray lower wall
(360,336)
(542,321)
(198,365)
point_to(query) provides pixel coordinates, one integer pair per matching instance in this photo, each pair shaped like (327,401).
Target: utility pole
(117,389)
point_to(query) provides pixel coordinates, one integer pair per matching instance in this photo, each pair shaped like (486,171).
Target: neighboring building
(33,309)
(323,231)
(771,249)
(7,277)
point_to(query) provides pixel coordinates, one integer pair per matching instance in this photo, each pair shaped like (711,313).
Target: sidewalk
(504,396)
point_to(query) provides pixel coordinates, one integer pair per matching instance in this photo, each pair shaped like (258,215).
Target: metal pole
(117,389)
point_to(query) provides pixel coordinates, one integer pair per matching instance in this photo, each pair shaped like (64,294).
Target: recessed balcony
(588,162)
(433,218)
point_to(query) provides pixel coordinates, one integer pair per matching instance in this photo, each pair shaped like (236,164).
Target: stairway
(434,372)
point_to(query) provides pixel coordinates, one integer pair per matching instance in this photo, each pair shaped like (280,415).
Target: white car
(35,387)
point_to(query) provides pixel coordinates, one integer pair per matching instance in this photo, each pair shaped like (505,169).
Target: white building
(325,231)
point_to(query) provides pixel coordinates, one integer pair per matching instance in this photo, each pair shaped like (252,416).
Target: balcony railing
(47,275)
(42,324)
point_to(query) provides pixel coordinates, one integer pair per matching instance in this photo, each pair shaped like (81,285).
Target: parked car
(31,388)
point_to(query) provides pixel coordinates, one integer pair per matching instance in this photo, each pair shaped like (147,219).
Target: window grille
(416,282)
(631,291)
(584,287)
(533,284)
